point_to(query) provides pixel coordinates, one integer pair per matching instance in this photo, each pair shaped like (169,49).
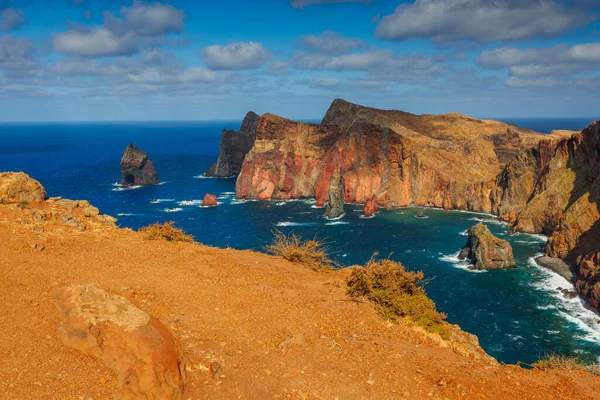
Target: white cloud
(305,3)
(481,20)
(327,82)
(146,20)
(331,43)
(11,19)
(235,56)
(94,43)
(17,54)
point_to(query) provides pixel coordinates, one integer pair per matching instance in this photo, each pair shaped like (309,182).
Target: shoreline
(556,265)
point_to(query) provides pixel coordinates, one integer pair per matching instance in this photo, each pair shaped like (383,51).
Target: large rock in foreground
(335,206)
(486,251)
(125,338)
(234,147)
(18,187)
(136,168)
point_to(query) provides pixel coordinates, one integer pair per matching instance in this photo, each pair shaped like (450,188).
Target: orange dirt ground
(250,326)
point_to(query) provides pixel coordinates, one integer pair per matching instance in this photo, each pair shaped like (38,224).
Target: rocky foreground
(95,311)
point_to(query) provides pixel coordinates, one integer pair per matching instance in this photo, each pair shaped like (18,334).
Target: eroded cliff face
(449,161)
(234,147)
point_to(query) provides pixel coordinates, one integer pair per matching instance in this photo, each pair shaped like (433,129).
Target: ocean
(518,315)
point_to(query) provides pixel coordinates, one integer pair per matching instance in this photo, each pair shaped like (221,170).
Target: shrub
(312,253)
(396,293)
(165,231)
(559,361)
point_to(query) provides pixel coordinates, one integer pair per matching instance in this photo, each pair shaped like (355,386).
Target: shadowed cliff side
(234,147)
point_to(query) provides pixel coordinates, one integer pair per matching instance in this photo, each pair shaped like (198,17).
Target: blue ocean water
(518,315)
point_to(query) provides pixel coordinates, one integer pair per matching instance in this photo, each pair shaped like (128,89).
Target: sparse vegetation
(166,231)
(312,253)
(396,293)
(559,361)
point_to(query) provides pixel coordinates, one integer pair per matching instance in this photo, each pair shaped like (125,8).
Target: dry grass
(312,253)
(559,361)
(396,293)
(166,231)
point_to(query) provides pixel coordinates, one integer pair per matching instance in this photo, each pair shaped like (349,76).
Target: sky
(109,60)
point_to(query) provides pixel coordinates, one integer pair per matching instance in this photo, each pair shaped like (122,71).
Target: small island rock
(136,168)
(370,207)
(486,251)
(209,200)
(335,206)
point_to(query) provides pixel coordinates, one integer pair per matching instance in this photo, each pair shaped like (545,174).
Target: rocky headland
(486,251)
(136,168)
(100,313)
(537,183)
(234,147)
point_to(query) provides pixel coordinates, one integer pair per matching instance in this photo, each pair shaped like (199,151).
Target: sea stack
(234,147)
(370,207)
(486,251)
(136,168)
(210,200)
(335,206)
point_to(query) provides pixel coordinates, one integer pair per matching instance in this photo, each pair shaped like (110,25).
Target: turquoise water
(518,315)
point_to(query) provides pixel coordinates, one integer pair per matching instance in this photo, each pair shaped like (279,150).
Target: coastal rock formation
(448,161)
(136,168)
(486,251)
(335,205)
(18,187)
(370,207)
(588,279)
(234,147)
(125,338)
(209,200)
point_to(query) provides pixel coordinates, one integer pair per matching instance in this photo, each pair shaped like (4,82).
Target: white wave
(228,193)
(535,236)
(337,223)
(203,176)
(336,218)
(367,217)
(573,310)
(170,210)
(464,265)
(423,217)
(190,202)
(316,206)
(156,201)
(120,187)
(464,233)
(281,203)
(286,223)
(488,221)
(127,215)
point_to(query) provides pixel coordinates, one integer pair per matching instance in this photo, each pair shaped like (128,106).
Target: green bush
(396,293)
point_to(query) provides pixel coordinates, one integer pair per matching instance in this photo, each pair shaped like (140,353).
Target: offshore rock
(486,251)
(136,168)
(210,200)
(335,205)
(234,147)
(370,207)
(18,187)
(125,338)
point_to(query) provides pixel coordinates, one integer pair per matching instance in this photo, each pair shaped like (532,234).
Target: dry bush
(312,253)
(396,293)
(559,361)
(165,231)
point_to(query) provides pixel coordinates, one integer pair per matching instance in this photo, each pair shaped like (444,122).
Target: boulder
(335,206)
(18,187)
(136,168)
(234,147)
(125,338)
(486,251)
(370,207)
(210,200)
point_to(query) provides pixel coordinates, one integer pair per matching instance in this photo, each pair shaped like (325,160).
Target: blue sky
(93,60)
